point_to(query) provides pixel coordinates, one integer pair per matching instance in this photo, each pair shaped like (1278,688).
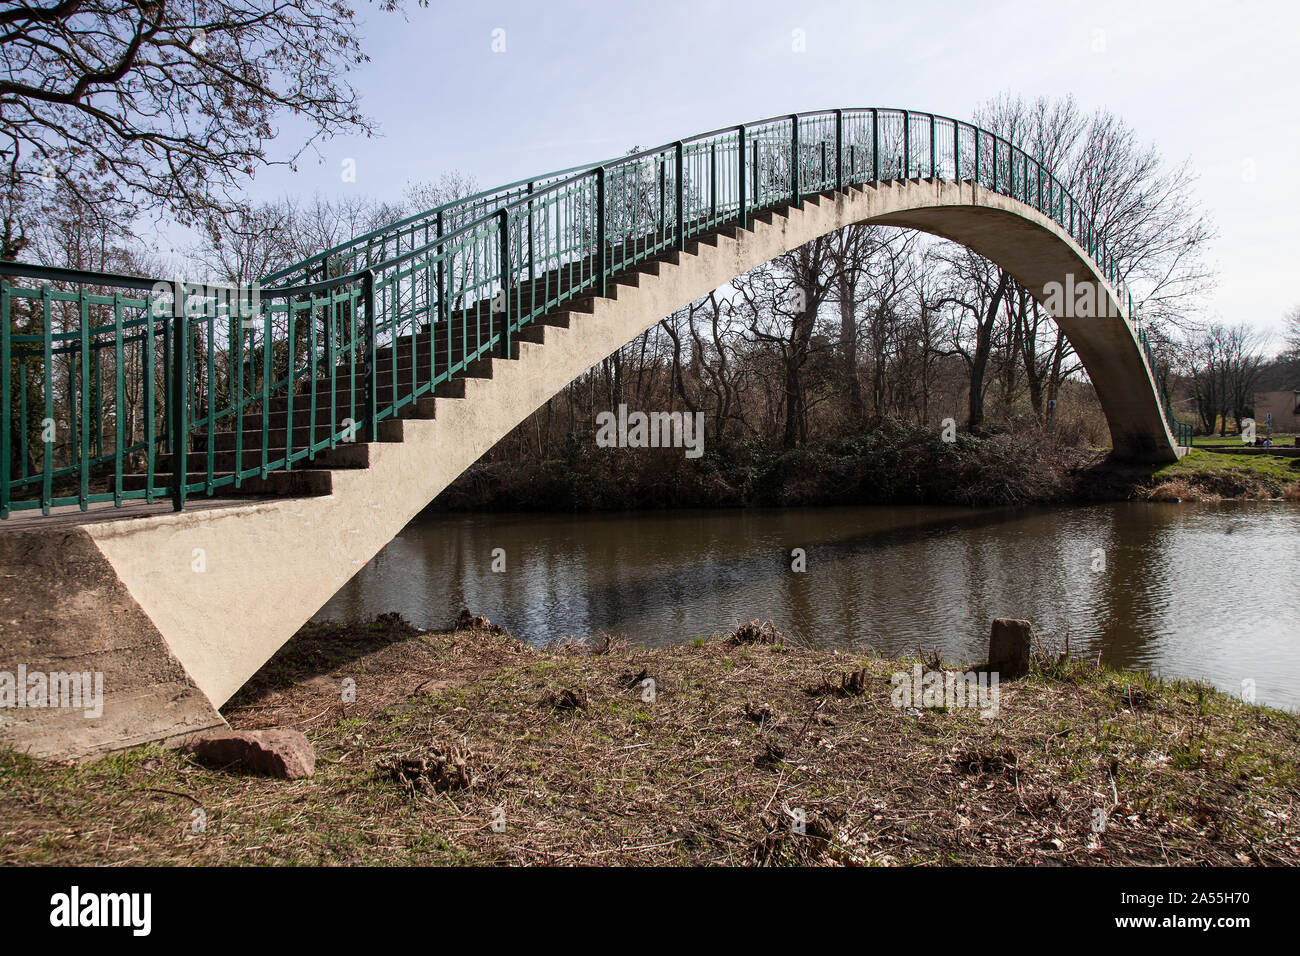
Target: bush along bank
(886,463)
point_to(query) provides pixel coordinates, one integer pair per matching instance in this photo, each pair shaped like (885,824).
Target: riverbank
(1202,475)
(887,463)
(576,761)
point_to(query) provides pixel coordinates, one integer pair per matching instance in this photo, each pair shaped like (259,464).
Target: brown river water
(1209,591)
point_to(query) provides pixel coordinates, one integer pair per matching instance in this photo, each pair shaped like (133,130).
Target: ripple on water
(1199,591)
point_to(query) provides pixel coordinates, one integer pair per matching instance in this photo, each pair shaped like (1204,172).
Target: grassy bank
(1215,476)
(739,738)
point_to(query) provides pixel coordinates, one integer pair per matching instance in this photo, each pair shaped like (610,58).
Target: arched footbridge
(189,472)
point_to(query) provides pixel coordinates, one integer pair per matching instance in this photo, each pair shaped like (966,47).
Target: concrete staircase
(327,403)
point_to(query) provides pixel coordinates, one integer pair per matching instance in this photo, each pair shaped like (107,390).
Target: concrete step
(347,455)
(423,407)
(352,406)
(304,483)
(390,430)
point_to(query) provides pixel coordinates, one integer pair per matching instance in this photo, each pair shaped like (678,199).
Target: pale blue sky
(1209,81)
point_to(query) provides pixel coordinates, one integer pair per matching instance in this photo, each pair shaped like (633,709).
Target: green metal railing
(118,370)
(101,374)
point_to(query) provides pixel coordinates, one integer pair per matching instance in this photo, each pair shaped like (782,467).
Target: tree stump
(1009,647)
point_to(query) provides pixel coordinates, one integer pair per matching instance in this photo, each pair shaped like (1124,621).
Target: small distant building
(1279,411)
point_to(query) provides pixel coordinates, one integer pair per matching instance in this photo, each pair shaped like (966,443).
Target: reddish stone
(286,754)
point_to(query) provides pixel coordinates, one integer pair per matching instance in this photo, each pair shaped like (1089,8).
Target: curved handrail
(414,220)
(1080,229)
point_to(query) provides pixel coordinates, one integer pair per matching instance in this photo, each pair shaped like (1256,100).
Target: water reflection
(1188,590)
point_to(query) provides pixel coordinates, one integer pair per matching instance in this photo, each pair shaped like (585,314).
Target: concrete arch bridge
(190,472)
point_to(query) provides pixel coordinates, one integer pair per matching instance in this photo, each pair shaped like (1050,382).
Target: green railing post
(875,146)
(933,154)
(907,145)
(663,197)
(503,224)
(83,438)
(177,439)
(681,196)
(601,284)
(975,173)
(794,161)
(442,281)
(839,150)
(47,460)
(531,274)
(740,152)
(956,151)
(370,358)
(713,181)
(6,412)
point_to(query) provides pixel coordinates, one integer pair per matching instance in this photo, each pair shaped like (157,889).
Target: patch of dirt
(441,754)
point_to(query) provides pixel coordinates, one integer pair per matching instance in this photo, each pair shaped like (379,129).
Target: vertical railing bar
(601,264)
(179,402)
(742,210)
(933,173)
(312,389)
(47,453)
(211,322)
(796,191)
(119,401)
(907,145)
(83,493)
(291,336)
(242,321)
(368,369)
(681,196)
(875,145)
(6,383)
(504,255)
(839,150)
(956,151)
(150,400)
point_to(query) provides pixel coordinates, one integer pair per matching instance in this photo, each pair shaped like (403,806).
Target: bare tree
(781,305)
(976,288)
(1292,332)
(163,105)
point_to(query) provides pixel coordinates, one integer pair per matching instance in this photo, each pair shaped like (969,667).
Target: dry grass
(453,731)
(1181,489)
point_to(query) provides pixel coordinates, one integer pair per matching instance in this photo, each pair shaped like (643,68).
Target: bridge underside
(201,599)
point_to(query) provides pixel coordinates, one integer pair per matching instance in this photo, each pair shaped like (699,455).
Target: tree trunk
(849,345)
(980,360)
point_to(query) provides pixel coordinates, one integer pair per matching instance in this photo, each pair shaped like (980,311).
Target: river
(1203,591)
